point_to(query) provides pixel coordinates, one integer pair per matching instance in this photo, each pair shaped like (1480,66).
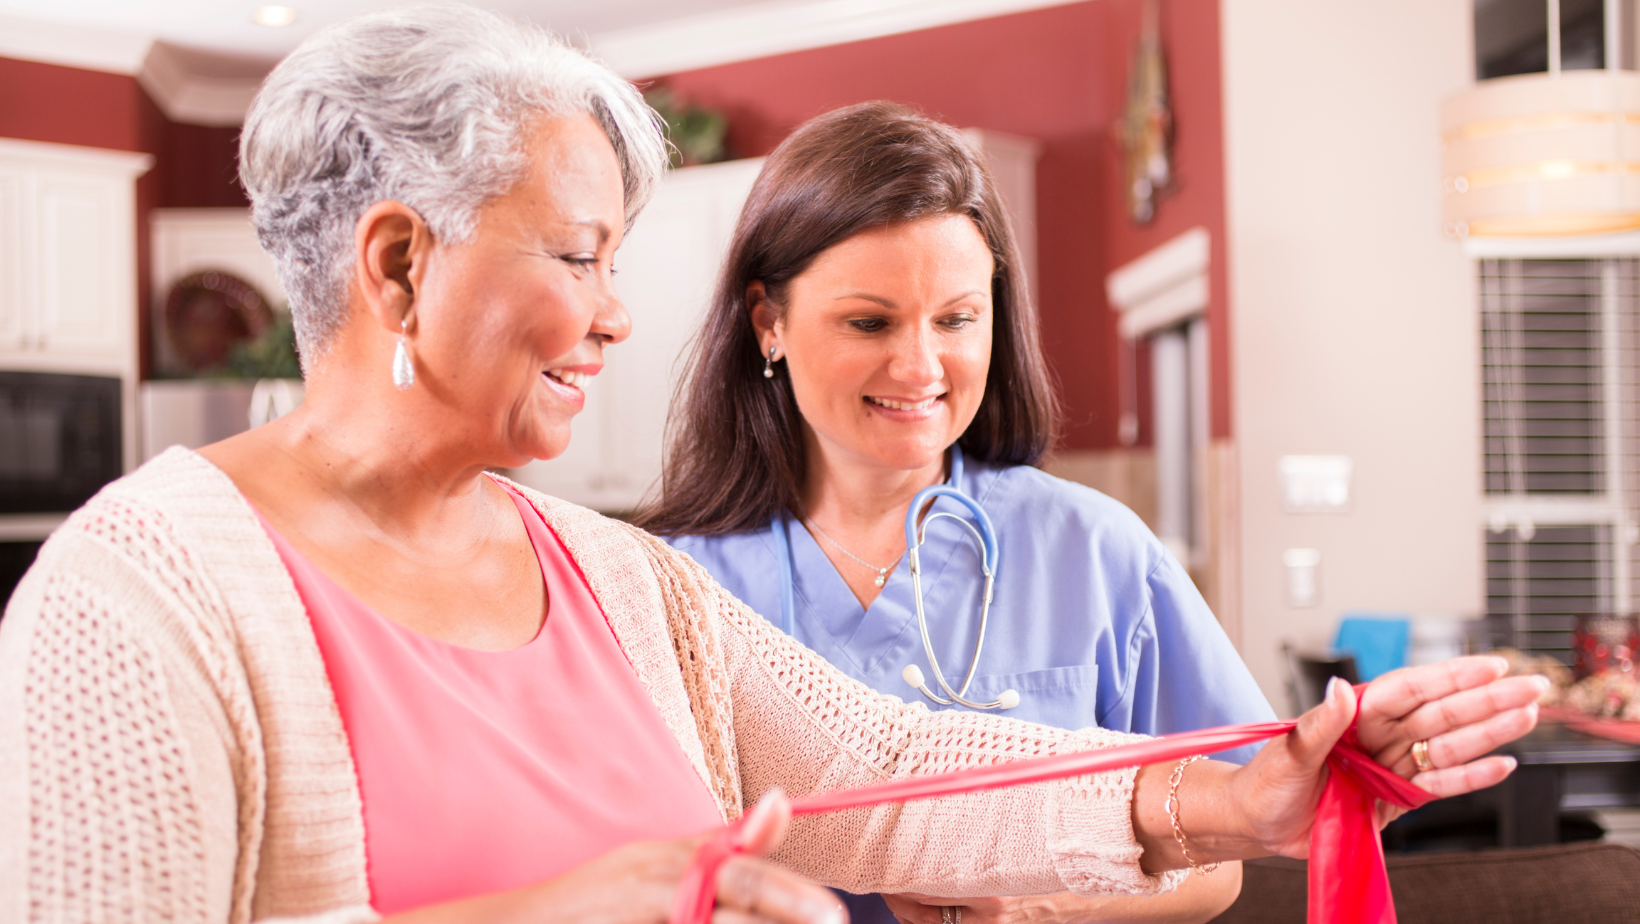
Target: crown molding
(780,27)
(89,48)
(188,97)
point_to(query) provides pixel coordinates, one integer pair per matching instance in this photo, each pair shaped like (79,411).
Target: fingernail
(1543,683)
(1335,689)
(1502,664)
(1511,762)
(833,914)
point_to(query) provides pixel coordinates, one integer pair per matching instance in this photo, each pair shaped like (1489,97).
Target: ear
(391,244)
(765,320)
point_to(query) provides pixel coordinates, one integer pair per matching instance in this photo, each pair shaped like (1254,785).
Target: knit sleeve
(120,770)
(800,724)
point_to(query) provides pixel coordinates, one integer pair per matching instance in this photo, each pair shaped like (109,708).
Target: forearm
(1213,821)
(1198,899)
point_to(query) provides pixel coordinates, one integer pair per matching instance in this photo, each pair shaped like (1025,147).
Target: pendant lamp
(1545,155)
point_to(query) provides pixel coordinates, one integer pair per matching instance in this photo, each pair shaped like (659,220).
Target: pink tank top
(483,771)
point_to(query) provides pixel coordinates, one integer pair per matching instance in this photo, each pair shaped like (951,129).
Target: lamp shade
(1542,155)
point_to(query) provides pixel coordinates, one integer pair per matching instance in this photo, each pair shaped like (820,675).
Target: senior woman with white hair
(331,669)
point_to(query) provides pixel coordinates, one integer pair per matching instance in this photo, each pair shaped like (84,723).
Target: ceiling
(202,61)
(226,28)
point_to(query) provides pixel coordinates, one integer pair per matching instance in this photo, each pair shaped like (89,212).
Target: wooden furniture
(1582,883)
(1562,769)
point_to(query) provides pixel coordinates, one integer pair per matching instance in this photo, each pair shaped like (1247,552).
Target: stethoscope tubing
(984,534)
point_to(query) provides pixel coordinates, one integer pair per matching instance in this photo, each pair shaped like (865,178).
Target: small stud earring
(768,365)
(404,371)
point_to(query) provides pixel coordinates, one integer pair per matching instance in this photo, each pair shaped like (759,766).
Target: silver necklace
(882,573)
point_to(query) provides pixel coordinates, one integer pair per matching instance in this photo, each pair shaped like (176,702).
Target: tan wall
(1353,323)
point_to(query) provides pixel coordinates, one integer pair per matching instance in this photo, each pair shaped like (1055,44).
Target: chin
(910,458)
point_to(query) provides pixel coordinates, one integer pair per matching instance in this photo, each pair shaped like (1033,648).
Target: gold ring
(1420,756)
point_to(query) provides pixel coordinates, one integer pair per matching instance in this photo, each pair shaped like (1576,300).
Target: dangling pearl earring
(404,371)
(768,365)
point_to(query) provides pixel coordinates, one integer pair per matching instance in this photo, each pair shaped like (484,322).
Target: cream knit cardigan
(170,749)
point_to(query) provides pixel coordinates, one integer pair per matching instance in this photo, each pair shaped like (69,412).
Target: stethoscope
(983,533)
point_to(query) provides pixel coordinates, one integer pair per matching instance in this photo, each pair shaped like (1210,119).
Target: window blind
(1559,364)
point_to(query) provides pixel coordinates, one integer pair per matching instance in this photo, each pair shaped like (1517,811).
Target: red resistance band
(1348,883)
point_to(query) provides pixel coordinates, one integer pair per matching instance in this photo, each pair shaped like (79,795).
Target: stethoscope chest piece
(985,535)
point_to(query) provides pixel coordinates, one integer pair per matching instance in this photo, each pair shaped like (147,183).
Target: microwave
(60,440)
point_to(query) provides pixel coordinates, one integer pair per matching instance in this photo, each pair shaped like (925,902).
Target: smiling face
(507,325)
(887,339)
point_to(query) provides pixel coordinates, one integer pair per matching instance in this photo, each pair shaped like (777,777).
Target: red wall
(1056,75)
(194,166)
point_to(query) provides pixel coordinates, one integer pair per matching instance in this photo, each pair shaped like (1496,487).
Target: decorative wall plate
(207,313)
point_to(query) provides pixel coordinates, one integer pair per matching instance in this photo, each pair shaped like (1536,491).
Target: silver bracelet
(1172,806)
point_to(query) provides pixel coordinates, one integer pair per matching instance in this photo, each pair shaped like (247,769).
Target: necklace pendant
(881,579)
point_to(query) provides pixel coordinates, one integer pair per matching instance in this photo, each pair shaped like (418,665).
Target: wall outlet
(1303,576)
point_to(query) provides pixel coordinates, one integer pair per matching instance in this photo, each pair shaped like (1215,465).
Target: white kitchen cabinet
(68,263)
(667,268)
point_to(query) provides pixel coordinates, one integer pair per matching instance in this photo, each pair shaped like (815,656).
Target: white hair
(426,106)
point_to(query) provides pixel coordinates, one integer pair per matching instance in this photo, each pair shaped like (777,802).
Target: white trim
(1166,286)
(130,163)
(29,527)
(1625,244)
(1165,309)
(110,50)
(780,27)
(1540,510)
(187,97)
(1134,282)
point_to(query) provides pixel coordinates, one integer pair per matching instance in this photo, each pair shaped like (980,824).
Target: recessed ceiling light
(274,15)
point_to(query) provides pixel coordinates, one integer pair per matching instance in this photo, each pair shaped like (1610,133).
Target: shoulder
(165,519)
(1026,499)
(727,554)
(614,556)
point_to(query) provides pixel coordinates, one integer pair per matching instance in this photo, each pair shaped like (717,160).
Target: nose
(916,359)
(612,323)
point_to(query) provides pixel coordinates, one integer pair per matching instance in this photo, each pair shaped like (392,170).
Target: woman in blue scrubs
(871,336)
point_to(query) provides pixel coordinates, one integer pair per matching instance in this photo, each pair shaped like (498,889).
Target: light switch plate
(1316,484)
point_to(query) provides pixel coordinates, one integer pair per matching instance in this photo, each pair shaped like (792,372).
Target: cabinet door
(669,267)
(13,333)
(84,276)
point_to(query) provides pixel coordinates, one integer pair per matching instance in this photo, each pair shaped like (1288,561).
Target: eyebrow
(598,223)
(889,303)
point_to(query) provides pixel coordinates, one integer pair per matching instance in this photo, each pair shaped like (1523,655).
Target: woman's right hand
(636,884)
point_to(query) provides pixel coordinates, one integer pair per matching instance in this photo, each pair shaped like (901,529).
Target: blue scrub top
(1093,621)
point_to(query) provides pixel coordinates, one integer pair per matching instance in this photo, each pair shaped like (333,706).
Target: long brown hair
(735,452)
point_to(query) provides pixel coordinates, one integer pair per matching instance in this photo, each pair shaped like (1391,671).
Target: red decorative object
(1605,644)
(1348,883)
(207,313)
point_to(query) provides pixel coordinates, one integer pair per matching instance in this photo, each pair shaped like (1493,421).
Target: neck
(388,453)
(860,498)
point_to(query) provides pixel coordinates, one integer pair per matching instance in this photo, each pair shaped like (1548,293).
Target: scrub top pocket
(1064,697)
